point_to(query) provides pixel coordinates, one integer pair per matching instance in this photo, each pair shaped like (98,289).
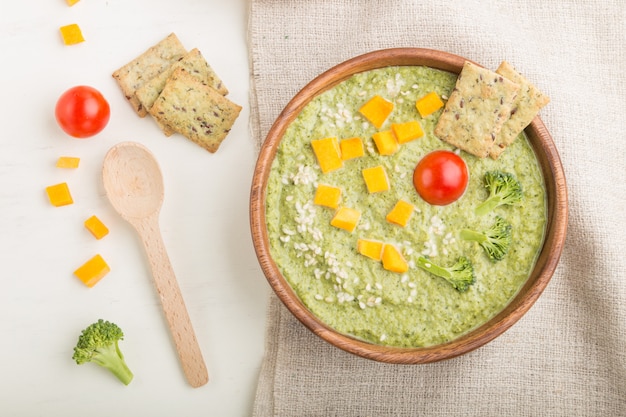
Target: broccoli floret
(503,188)
(98,343)
(495,240)
(460,275)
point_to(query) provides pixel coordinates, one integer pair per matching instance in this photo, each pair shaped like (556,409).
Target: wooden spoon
(134,185)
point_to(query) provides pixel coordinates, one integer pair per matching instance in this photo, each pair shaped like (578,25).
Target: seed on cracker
(148,65)
(476,110)
(195,64)
(525,107)
(195,110)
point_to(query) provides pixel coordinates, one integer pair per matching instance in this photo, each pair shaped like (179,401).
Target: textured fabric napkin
(567,355)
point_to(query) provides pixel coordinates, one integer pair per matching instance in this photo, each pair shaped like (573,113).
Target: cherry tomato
(82,111)
(440,177)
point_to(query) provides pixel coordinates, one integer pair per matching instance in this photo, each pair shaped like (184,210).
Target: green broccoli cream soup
(355,294)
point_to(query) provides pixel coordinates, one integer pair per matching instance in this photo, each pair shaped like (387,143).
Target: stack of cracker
(487,110)
(180,90)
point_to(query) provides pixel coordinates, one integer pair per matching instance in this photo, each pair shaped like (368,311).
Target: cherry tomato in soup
(440,177)
(82,111)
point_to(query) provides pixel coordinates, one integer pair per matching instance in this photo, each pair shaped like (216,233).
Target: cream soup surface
(354,294)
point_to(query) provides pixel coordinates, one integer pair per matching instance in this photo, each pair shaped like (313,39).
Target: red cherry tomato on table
(82,111)
(440,177)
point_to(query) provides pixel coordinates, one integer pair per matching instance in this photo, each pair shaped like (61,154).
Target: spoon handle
(172,302)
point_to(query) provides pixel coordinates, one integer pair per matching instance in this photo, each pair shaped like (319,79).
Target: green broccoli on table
(98,343)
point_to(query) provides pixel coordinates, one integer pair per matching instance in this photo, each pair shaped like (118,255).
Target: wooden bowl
(548,259)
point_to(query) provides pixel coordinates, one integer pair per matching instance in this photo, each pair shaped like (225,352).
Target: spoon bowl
(139,191)
(134,185)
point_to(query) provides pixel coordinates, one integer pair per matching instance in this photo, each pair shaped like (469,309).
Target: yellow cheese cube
(371,248)
(406,132)
(327,195)
(71,34)
(351,148)
(92,271)
(68,162)
(346,218)
(71,2)
(376,110)
(401,213)
(376,179)
(96,227)
(328,154)
(393,260)
(386,142)
(428,104)
(59,195)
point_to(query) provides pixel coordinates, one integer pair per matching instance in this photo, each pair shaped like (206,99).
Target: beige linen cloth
(567,356)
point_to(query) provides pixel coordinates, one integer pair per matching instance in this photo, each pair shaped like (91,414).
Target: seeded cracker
(477,108)
(148,65)
(526,106)
(196,65)
(195,110)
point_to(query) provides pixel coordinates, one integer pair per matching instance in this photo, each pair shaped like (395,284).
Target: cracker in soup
(476,110)
(526,106)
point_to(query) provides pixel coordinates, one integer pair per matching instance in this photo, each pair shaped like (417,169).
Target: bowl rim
(547,261)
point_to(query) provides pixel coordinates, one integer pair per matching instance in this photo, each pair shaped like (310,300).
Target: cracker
(196,65)
(526,106)
(477,108)
(146,66)
(195,110)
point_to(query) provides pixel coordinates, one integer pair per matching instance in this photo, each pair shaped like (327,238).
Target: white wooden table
(204,219)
